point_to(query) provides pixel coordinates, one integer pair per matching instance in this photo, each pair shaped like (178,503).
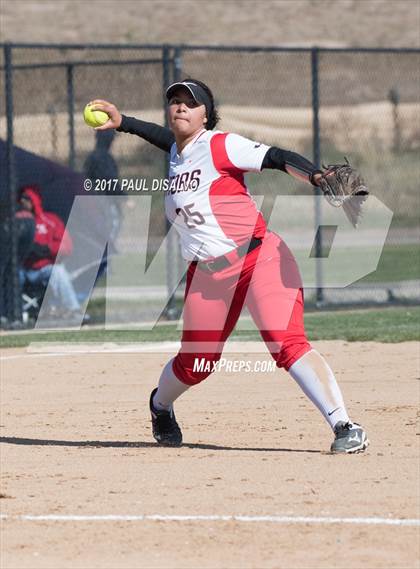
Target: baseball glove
(343,186)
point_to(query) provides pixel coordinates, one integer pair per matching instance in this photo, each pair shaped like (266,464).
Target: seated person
(50,235)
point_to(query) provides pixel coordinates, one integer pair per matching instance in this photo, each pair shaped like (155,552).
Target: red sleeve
(67,244)
(60,237)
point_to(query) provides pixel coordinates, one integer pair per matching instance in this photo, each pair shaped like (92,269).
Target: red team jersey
(214,213)
(208,200)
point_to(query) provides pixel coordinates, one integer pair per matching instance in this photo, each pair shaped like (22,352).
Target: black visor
(196,91)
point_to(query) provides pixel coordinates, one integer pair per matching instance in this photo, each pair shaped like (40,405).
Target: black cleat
(349,438)
(165,428)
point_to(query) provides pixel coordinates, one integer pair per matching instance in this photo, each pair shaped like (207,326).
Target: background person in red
(50,235)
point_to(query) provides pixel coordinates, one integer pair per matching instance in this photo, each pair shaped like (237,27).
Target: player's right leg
(165,428)
(211,310)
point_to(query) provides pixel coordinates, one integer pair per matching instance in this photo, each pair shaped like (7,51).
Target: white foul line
(215,518)
(51,351)
(56,349)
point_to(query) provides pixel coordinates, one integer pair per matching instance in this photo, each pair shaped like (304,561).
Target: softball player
(234,261)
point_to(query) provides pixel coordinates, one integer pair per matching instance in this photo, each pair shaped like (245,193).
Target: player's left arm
(292,163)
(250,156)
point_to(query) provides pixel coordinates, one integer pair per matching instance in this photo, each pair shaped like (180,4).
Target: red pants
(268,283)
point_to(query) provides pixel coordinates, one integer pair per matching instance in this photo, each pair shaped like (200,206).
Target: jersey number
(191,218)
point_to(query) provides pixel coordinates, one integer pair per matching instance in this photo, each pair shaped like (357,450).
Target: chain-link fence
(322,103)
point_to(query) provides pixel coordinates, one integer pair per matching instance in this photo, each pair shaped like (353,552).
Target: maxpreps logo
(208,366)
(184,182)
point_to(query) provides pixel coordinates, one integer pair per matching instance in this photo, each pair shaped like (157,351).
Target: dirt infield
(76,442)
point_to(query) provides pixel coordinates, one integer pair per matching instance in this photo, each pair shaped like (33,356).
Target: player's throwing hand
(111,110)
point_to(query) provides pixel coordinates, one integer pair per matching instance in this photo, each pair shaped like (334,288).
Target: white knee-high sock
(169,389)
(317,380)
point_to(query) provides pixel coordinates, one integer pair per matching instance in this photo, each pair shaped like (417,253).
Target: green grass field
(397,263)
(381,325)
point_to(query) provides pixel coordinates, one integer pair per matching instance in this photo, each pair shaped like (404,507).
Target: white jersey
(207,199)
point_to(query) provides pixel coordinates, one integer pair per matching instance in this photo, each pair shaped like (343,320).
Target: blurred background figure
(50,237)
(101,165)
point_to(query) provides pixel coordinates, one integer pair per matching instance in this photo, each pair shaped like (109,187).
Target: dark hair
(213,117)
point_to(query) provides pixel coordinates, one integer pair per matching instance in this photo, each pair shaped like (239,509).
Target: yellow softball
(94,118)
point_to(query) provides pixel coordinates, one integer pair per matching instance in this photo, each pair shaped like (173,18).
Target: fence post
(177,65)
(176,76)
(12,287)
(316,146)
(70,110)
(171,311)
(394,97)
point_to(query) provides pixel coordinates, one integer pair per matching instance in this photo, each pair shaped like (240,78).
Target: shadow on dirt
(141,444)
